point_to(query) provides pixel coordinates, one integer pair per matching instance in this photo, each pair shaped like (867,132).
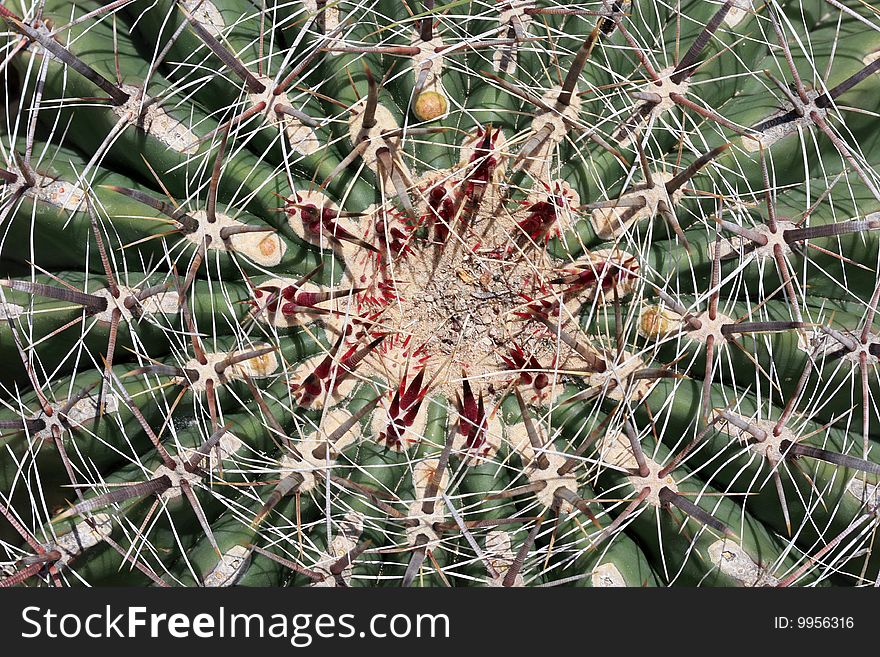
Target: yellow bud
(656,322)
(267,245)
(429,105)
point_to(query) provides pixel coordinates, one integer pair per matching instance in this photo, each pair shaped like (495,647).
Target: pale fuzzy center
(770,136)
(87,408)
(738,12)
(869,494)
(428,59)
(35,47)
(176,476)
(426,522)
(492,436)
(329,12)
(342,544)
(156,122)
(538,161)
(657,322)
(84,535)
(610,223)
(617,451)
(422,475)
(341,388)
(613,382)
(505,58)
(228,445)
(375,139)
(272,289)
(10,311)
(79,414)
(207,15)
(519,440)
(258,367)
(310,464)
(854,356)
(500,555)
(230,566)
(621,265)
(264,248)
(664,90)
(709,327)
(771,447)
(732,245)
(733,561)
(348,251)
(58,193)
(547,495)
(162,303)
(302,138)
(606,575)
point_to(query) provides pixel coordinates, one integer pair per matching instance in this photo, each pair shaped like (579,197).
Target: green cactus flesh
(392,293)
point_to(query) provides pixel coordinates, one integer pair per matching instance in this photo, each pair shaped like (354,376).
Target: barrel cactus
(389,293)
